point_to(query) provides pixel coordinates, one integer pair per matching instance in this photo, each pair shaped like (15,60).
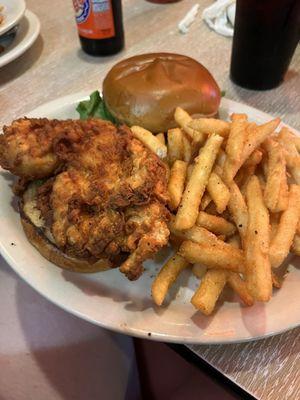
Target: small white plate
(28,30)
(109,300)
(13,11)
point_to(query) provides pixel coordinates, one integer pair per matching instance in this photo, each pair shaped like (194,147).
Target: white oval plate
(13,11)
(108,299)
(28,30)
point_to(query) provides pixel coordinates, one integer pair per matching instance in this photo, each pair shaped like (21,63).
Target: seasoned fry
(219,256)
(255,136)
(189,171)
(296,140)
(237,136)
(258,267)
(283,239)
(210,288)
(243,176)
(208,126)
(183,119)
(248,169)
(238,209)
(176,183)
(166,277)
(292,157)
(296,245)
(199,270)
(149,141)
(283,199)
(298,227)
(186,148)
(218,191)
(197,234)
(191,199)
(254,159)
(217,225)
(274,222)
(276,173)
(276,280)
(239,286)
(220,161)
(235,241)
(161,138)
(175,145)
(206,199)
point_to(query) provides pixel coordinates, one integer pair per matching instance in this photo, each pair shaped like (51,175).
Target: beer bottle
(100,26)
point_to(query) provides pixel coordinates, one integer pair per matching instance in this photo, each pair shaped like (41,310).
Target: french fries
(207,126)
(183,119)
(150,141)
(209,291)
(237,137)
(176,183)
(239,286)
(175,145)
(191,199)
(233,187)
(276,177)
(255,135)
(276,280)
(206,199)
(199,270)
(258,266)
(296,245)
(286,138)
(286,230)
(222,256)
(166,277)
(238,209)
(217,225)
(161,138)
(197,234)
(218,191)
(186,149)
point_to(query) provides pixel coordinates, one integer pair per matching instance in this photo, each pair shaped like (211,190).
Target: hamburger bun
(41,239)
(146,89)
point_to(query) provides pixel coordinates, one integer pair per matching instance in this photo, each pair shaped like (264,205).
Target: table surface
(55,66)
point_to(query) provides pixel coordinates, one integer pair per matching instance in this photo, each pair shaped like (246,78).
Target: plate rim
(132,331)
(17,18)
(26,42)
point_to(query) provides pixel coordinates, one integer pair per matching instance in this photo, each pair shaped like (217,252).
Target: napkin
(220,16)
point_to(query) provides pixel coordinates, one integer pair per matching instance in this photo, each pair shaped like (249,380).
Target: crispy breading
(104,194)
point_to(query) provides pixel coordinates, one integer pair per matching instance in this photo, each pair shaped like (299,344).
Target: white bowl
(13,11)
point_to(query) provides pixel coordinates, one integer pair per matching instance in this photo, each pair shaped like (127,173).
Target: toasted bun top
(145,90)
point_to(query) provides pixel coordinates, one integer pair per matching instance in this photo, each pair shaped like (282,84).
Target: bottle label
(94,18)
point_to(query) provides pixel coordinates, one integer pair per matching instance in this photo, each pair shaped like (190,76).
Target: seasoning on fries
(150,141)
(236,204)
(191,199)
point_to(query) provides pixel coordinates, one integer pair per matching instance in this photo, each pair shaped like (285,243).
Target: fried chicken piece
(149,234)
(106,193)
(26,148)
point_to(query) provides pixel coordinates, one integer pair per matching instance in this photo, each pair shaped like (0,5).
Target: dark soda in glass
(266,33)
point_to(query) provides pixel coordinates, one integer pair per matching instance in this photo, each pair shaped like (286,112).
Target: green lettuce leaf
(94,108)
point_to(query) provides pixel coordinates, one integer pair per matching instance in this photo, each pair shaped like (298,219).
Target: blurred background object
(163,1)
(266,34)
(100,26)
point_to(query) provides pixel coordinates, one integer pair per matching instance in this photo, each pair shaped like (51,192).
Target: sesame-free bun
(146,89)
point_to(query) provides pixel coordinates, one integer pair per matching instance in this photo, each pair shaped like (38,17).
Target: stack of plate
(18,30)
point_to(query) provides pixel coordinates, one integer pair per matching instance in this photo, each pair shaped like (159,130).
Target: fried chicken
(103,193)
